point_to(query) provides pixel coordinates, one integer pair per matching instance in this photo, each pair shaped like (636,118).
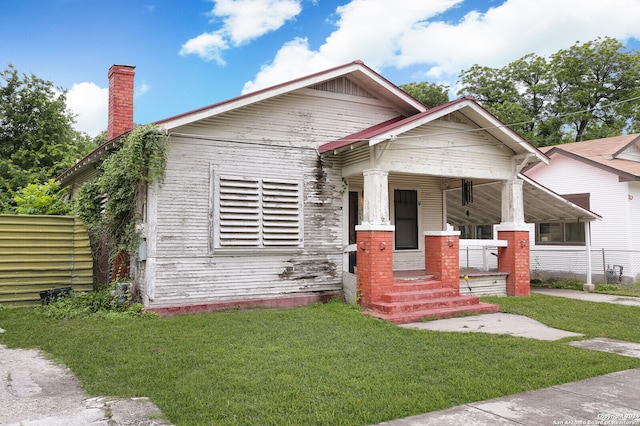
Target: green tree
(46,198)
(591,81)
(37,139)
(430,94)
(576,94)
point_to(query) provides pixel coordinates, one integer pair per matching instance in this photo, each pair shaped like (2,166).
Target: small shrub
(106,303)
(606,288)
(556,283)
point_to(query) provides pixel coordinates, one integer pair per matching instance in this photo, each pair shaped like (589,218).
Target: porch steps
(411,300)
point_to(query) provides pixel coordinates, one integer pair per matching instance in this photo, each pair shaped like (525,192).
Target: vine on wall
(109,205)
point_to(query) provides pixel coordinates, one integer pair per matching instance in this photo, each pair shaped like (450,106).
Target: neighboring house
(602,175)
(322,184)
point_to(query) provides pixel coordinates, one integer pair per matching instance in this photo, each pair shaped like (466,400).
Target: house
(330,183)
(602,175)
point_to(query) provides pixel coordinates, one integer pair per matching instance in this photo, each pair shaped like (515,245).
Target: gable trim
(624,148)
(393,128)
(622,176)
(402,99)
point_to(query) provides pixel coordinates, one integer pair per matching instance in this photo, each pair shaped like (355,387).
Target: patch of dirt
(36,391)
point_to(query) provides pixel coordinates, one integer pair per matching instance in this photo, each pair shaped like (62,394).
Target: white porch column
(513,204)
(514,259)
(376,197)
(588,286)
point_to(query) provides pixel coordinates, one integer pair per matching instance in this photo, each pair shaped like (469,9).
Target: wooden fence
(39,253)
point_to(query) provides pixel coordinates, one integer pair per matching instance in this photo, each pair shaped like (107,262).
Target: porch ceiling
(540,205)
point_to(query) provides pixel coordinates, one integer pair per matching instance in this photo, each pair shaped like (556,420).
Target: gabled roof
(610,154)
(466,105)
(355,71)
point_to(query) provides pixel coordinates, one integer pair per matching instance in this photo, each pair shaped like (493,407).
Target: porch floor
(420,273)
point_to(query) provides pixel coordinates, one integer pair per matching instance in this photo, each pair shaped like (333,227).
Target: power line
(292,144)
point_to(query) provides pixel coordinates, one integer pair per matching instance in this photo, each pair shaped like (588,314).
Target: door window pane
(406,217)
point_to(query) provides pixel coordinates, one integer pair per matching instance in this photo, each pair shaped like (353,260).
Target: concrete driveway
(37,392)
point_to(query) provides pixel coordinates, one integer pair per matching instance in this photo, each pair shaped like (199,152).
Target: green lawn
(323,364)
(614,288)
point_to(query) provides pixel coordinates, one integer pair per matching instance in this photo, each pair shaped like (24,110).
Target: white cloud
(142,89)
(412,35)
(243,21)
(90,104)
(208,46)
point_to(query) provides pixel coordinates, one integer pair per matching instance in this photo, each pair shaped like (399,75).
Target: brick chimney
(120,100)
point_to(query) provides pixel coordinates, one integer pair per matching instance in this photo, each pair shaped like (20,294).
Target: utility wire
(292,144)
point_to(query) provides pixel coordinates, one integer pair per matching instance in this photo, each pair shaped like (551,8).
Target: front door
(353,221)
(405,211)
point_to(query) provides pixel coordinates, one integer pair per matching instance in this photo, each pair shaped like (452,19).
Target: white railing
(485,245)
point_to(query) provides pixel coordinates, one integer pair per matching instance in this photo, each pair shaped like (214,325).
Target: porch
(439,290)
(408,187)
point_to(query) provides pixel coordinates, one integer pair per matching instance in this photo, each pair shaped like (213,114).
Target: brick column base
(374,260)
(514,259)
(442,258)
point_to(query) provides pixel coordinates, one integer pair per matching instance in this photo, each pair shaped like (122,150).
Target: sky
(193,53)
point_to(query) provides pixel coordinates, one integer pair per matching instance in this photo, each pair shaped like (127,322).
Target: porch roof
(541,205)
(467,106)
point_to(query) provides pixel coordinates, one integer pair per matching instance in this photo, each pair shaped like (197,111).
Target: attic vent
(280,213)
(258,213)
(344,86)
(454,118)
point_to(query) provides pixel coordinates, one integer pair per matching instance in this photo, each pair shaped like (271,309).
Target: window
(569,233)
(405,204)
(564,233)
(253,212)
(476,232)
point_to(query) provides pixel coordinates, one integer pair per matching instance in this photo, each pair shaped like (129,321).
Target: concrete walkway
(589,297)
(605,400)
(612,399)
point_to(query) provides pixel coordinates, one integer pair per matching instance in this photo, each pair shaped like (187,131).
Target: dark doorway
(405,204)
(353,221)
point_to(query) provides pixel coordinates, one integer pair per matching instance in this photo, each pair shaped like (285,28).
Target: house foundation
(375,262)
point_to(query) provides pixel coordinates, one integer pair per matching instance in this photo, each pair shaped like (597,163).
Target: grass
(593,319)
(613,288)
(322,364)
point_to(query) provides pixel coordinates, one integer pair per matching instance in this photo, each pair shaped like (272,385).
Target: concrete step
(416,284)
(424,304)
(402,295)
(434,313)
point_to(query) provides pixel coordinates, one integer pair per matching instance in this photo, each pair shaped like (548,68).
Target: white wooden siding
(609,197)
(631,153)
(302,118)
(484,285)
(88,174)
(634,212)
(183,269)
(634,228)
(440,148)
(618,229)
